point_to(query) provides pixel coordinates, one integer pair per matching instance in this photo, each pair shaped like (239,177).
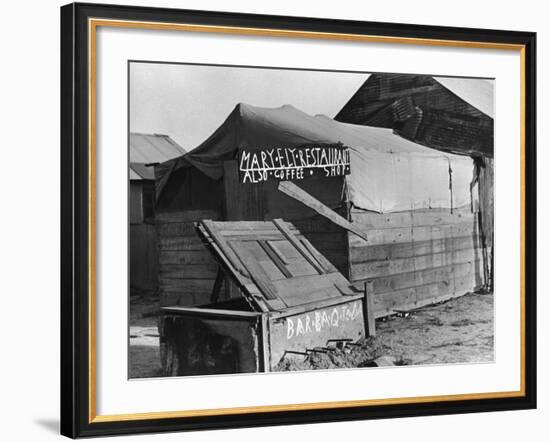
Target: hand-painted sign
(320,320)
(293,163)
(316,328)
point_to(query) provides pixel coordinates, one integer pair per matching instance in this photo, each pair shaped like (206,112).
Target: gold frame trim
(93,24)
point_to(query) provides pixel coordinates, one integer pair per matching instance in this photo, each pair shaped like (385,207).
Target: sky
(189,102)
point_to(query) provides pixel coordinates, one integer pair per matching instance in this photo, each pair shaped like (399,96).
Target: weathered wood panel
(185,216)
(190,257)
(400,281)
(421,217)
(185,292)
(486,200)
(415,297)
(143,257)
(372,269)
(186,269)
(180,243)
(176,229)
(192,271)
(385,252)
(314,328)
(415,233)
(416,258)
(136,202)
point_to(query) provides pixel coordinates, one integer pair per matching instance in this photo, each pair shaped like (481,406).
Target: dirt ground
(144,356)
(457,331)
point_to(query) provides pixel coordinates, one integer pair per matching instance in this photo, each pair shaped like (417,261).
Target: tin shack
(145,151)
(376,206)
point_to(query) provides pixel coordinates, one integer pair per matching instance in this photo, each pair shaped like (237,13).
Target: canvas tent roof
(388,172)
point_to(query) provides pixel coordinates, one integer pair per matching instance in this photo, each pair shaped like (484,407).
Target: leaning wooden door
(276,266)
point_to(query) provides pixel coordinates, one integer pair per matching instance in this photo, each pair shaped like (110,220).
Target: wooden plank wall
(136,202)
(187,270)
(486,201)
(143,258)
(416,258)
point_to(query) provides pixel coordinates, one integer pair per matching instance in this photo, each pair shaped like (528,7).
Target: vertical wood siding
(143,258)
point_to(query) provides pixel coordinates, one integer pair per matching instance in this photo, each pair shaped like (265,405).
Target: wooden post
(263,339)
(368,309)
(215,296)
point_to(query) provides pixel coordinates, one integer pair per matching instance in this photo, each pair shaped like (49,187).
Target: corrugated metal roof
(139,171)
(153,148)
(150,148)
(133,175)
(477,92)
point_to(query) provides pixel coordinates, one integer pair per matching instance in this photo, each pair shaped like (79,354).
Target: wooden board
(185,216)
(415,258)
(231,263)
(305,198)
(312,329)
(177,297)
(415,297)
(286,269)
(299,246)
(185,257)
(418,218)
(383,252)
(400,281)
(187,243)
(410,234)
(372,269)
(187,286)
(308,289)
(186,229)
(193,271)
(318,224)
(144,260)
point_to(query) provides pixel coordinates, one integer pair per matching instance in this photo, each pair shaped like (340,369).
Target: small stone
(385,361)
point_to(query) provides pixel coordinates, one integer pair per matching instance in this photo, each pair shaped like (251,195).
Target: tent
(388,172)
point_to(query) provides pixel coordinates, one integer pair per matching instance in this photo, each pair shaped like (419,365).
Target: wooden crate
(291,299)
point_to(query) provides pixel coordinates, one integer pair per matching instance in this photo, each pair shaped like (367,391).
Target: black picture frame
(76,417)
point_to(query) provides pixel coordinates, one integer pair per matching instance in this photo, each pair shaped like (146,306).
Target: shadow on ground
(52,425)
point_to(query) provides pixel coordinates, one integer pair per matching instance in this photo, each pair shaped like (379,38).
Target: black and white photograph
(274,221)
(292,219)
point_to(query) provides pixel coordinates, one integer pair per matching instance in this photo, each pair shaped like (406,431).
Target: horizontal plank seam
(353,262)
